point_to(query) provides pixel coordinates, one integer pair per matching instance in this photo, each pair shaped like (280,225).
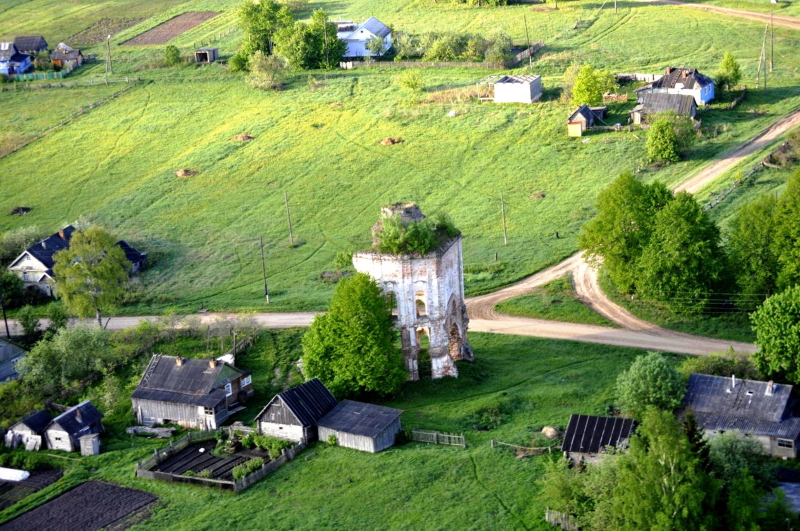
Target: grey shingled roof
(9,52)
(590,434)
(656,102)
(37,422)
(26,43)
(747,399)
(79,419)
(309,401)
(359,418)
(689,77)
(10,352)
(64,52)
(584,111)
(786,429)
(193,382)
(376,27)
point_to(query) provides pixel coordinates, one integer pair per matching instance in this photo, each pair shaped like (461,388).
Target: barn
(65,431)
(361,426)
(515,89)
(293,414)
(587,436)
(28,432)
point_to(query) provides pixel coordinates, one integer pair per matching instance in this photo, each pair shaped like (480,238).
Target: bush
(273,445)
(190,473)
(332,440)
(239,62)
(172,56)
(248,442)
(663,145)
(14,242)
(29,321)
(415,237)
(242,471)
(721,364)
(239,472)
(205,473)
(650,381)
(343,260)
(266,72)
(411,80)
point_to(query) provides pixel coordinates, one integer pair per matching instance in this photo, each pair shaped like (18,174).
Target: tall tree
(777,327)
(328,48)
(590,85)
(650,382)
(729,73)
(683,261)
(617,236)
(261,20)
(91,273)
(353,347)
(313,45)
(787,233)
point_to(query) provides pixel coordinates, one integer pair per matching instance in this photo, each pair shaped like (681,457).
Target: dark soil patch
(13,491)
(20,211)
(165,32)
(98,31)
(198,457)
(89,506)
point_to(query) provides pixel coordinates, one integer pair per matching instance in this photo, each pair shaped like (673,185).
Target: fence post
(436,437)
(492,443)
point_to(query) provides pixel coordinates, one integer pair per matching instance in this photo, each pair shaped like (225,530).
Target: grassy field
(790,8)
(532,383)
(201,232)
(556,301)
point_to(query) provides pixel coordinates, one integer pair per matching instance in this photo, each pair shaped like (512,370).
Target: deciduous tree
(729,73)
(266,72)
(787,233)
(663,145)
(590,85)
(777,327)
(650,382)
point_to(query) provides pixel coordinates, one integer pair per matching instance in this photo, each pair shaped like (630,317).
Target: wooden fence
(524,54)
(159,456)
(435,437)
(239,427)
(529,451)
(649,78)
(34,76)
(562,520)
(738,100)
(67,84)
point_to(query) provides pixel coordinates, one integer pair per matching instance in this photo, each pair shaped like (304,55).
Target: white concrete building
(524,88)
(356,36)
(428,296)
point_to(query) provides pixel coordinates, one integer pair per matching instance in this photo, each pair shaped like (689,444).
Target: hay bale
(242,137)
(538,195)
(336,104)
(186,173)
(388,141)
(551,432)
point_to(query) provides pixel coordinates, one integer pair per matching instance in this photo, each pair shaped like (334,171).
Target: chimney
(44,244)
(770,389)
(62,235)
(733,381)
(78,415)
(669,70)
(212,363)
(178,361)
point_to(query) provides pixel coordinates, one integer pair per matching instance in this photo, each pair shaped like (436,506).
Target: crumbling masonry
(427,294)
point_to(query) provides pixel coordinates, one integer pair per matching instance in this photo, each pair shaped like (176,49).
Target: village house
(64,55)
(28,432)
(588,437)
(294,414)
(762,410)
(654,103)
(190,392)
(356,36)
(10,354)
(35,265)
(361,426)
(684,81)
(30,44)
(66,430)
(12,61)
(522,88)
(584,118)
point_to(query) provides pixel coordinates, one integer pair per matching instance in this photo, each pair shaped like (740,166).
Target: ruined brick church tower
(426,293)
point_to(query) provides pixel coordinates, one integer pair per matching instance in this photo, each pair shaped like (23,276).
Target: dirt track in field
(779,20)
(170,29)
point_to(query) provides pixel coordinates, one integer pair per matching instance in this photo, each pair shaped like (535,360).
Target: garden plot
(11,492)
(91,505)
(170,29)
(198,458)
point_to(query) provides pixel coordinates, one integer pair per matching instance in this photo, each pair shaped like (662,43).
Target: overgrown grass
(556,301)
(530,382)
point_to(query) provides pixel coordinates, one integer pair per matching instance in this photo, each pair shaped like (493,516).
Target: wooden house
(12,61)
(64,55)
(192,393)
(10,354)
(684,81)
(28,432)
(656,102)
(294,414)
(206,55)
(35,265)
(587,437)
(361,426)
(65,431)
(30,44)
(762,410)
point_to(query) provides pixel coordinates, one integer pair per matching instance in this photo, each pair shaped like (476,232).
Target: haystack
(551,432)
(242,137)
(388,141)
(186,173)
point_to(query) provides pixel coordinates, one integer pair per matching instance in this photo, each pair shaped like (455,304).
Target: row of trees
(447,46)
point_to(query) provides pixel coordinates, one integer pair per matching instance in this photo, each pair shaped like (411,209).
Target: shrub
(190,473)
(650,381)
(266,72)
(343,260)
(415,237)
(332,440)
(248,442)
(172,56)
(443,49)
(411,80)
(29,321)
(239,62)
(273,445)
(205,473)
(663,145)
(721,364)
(239,472)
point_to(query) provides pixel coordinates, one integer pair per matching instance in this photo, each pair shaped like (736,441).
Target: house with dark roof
(652,103)
(684,81)
(64,55)
(361,426)
(294,414)
(12,61)
(193,393)
(28,432)
(31,44)
(762,410)
(10,354)
(357,35)
(588,437)
(65,431)
(584,118)
(35,265)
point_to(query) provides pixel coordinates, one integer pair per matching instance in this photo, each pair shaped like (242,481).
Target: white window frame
(786,443)
(228,389)
(247,380)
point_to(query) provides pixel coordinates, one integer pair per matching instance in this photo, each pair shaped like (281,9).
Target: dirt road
(779,20)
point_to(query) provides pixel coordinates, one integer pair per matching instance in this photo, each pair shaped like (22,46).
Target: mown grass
(532,383)
(556,301)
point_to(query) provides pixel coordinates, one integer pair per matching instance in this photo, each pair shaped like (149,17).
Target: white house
(683,81)
(356,36)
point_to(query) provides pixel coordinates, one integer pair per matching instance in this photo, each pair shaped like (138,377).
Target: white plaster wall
(282,431)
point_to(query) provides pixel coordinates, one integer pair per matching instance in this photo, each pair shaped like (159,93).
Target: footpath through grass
(555,301)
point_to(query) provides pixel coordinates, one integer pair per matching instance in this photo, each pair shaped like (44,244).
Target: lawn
(556,301)
(531,382)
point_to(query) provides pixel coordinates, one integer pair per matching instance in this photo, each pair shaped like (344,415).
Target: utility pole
(264,271)
(5,320)
(762,60)
(503,211)
(289,218)
(109,67)
(772,38)
(528,38)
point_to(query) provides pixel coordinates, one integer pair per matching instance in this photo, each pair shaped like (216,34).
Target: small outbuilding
(524,88)
(655,102)
(584,118)
(65,431)
(361,426)
(64,55)
(587,436)
(206,55)
(294,414)
(27,433)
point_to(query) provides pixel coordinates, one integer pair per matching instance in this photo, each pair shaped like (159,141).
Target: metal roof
(193,382)
(309,401)
(359,418)
(747,399)
(589,434)
(656,102)
(36,422)
(786,429)
(376,27)
(690,78)
(503,78)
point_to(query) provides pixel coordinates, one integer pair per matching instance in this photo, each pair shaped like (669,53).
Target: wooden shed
(588,436)
(656,102)
(361,426)
(206,55)
(66,430)
(27,433)
(293,414)
(584,118)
